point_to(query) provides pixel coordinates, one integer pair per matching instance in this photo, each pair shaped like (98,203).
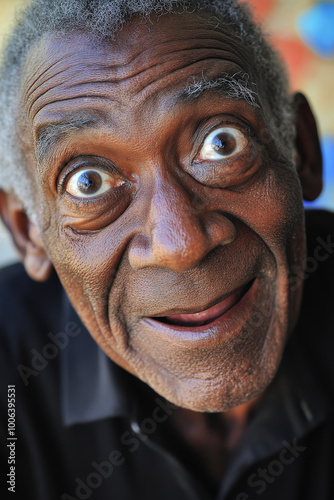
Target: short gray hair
(104,18)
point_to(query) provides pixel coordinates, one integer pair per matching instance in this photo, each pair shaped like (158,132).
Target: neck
(213,437)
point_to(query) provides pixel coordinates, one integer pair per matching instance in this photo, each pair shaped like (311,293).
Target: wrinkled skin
(173,233)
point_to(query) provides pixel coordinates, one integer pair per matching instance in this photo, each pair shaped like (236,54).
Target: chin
(223,366)
(238,381)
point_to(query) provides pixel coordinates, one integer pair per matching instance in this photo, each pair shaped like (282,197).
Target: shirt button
(135,427)
(306,410)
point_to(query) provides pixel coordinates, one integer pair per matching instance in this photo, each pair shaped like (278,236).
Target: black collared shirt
(83,428)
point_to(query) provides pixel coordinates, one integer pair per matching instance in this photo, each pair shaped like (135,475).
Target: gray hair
(104,18)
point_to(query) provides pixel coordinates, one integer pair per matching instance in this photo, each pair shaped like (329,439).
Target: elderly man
(153,169)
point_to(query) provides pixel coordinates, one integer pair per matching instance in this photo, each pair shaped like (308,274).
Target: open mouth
(207,316)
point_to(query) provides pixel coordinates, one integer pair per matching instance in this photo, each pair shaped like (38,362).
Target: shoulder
(319,265)
(28,309)
(16,285)
(315,330)
(320,235)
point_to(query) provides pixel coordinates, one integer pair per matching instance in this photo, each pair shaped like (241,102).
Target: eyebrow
(235,87)
(52,133)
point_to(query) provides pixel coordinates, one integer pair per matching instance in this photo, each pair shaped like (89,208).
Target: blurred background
(303,32)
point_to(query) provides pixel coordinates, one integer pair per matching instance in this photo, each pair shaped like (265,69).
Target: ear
(25,236)
(309,160)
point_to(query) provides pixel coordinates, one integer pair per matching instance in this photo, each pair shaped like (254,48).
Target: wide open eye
(222,143)
(90,182)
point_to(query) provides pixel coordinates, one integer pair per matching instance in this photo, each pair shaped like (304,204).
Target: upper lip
(200,308)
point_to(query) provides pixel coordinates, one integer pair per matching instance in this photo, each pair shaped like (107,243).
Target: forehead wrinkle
(33,102)
(37,108)
(215,53)
(76,65)
(89,82)
(42,93)
(209,41)
(102,69)
(160,65)
(64,84)
(38,72)
(171,75)
(229,51)
(225,54)
(74,69)
(30,94)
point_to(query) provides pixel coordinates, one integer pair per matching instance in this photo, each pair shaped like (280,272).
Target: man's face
(170,223)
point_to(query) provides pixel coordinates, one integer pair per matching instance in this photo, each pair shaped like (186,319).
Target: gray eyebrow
(52,133)
(234,87)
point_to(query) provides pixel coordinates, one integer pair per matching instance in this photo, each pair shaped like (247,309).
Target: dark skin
(172,238)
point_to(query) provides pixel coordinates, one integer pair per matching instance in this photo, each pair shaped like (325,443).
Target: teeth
(207,316)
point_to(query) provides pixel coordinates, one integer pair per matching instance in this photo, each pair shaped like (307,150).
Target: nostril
(182,244)
(220,229)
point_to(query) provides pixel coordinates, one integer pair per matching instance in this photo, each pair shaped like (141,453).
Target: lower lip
(222,328)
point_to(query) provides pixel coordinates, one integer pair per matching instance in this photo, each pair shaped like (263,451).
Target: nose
(178,233)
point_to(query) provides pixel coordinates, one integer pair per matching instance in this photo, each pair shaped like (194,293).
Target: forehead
(145,63)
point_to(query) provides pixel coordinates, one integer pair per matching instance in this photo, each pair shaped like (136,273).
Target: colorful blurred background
(303,32)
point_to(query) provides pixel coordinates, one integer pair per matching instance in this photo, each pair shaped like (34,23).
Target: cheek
(279,221)
(86,265)
(275,210)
